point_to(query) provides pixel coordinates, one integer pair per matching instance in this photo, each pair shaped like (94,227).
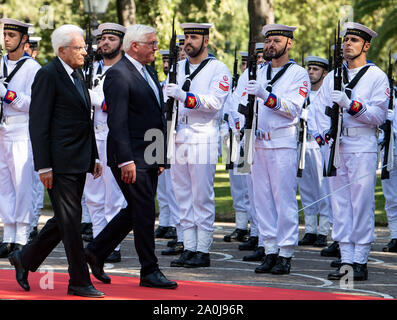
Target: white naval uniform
(38,199)
(103,196)
(353,206)
(196,152)
(312,185)
(16,158)
(275,164)
(389,186)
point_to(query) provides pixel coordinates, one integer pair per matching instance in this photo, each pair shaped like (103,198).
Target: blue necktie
(151,84)
(79,86)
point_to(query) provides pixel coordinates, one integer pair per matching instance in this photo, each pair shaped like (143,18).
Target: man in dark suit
(64,150)
(135,105)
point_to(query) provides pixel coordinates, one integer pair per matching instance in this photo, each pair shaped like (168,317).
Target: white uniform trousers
(312,188)
(103,196)
(238,189)
(16,196)
(252,216)
(38,199)
(353,207)
(161,195)
(389,187)
(274,184)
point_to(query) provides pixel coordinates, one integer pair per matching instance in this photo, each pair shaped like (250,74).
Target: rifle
(387,127)
(330,60)
(302,135)
(250,113)
(89,60)
(172,105)
(335,112)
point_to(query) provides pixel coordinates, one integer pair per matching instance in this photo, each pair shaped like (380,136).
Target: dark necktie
(78,84)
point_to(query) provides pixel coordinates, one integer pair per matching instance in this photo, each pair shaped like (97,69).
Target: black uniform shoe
(96,267)
(33,234)
(5,249)
(20,272)
(171,233)
(114,257)
(88,291)
(236,235)
(391,246)
(86,232)
(200,259)
(157,279)
(283,266)
(308,239)
(336,263)
(268,263)
(258,255)
(187,254)
(332,250)
(360,271)
(172,243)
(337,275)
(249,245)
(160,232)
(175,250)
(321,241)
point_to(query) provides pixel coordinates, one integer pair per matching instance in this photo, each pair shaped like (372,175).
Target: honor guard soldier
(281,89)
(364,99)
(32,46)
(17,72)
(202,86)
(313,185)
(389,186)
(103,196)
(181,47)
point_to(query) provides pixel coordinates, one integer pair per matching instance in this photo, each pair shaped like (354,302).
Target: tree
(126,10)
(260,13)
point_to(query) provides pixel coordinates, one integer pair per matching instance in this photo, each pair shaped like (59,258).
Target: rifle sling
(17,67)
(190,77)
(277,76)
(355,80)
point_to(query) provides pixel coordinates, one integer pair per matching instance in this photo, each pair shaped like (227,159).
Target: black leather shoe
(171,233)
(337,275)
(187,254)
(332,250)
(86,232)
(236,235)
(283,266)
(175,250)
(160,232)
(88,291)
(157,279)
(200,259)
(321,241)
(360,271)
(96,267)
(391,246)
(5,249)
(250,245)
(172,243)
(20,272)
(114,257)
(308,239)
(258,255)
(336,263)
(268,263)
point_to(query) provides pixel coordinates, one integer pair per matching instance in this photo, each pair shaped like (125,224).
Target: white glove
(3,90)
(390,115)
(341,99)
(304,114)
(256,89)
(174,91)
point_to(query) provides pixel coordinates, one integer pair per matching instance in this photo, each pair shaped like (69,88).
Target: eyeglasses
(77,48)
(150,43)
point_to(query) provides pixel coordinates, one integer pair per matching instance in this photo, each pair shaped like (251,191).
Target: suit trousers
(65,195)
(139,215)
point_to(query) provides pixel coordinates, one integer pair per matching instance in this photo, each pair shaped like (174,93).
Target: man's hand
(341,99)
(256,89)
(46,179)
(128,173)
(175,92)
(97,170)
(161,170)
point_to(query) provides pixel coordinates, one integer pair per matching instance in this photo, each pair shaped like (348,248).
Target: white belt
(354,132)
(275,134)
(15,119)
(100,127)
(195,120)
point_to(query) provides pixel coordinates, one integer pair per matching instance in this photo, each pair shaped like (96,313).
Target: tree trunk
(126,12)
(260,13)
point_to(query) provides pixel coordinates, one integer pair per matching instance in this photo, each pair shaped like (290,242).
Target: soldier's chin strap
(362,48)
(201,49)
(282,53)
(319,79)
(19,44)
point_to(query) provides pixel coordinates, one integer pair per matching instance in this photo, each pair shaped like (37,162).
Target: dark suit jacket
(60,125)
(132,110)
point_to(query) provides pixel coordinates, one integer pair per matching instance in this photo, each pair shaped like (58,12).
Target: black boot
(258,255)
(200,259)
(337,275)
(114,257)
(391,246)
(321,241)
(175,250)
(249,245)
(308,239)
(172,243)
(283,266)
(5,249)
(336,263)
(332,250)
(360,271)
(160,232)
(171,233)
(187,254)
(268,263)
(236,235)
